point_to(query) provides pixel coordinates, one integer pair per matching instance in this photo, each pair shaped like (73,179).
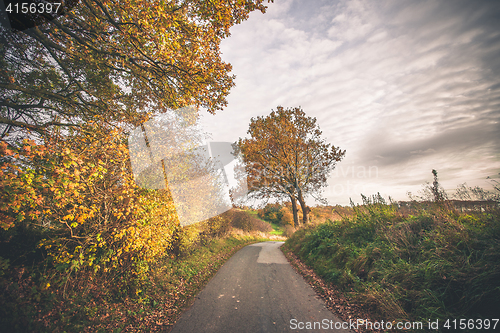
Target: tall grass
(420,264)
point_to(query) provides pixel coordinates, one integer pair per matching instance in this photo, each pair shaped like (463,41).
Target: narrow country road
(257,291)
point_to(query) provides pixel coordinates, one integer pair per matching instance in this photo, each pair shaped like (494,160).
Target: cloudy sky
(403,86)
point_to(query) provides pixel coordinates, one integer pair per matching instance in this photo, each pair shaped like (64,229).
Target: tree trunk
(294,211)
(305,209)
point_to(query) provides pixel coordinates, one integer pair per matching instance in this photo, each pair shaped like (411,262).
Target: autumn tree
(77,84)
(286,158)
(116,61)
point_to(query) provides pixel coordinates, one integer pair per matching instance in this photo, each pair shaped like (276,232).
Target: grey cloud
(455,141)
(394,78)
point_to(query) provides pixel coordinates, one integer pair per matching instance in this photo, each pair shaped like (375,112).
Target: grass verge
(277,229)
(336,301)
(433,263)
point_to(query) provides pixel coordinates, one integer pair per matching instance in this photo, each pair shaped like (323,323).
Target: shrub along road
(257,291)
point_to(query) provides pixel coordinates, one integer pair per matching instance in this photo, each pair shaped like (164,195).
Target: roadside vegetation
(418,260)
(38,296)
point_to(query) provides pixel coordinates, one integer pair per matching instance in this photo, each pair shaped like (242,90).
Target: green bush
(434,264)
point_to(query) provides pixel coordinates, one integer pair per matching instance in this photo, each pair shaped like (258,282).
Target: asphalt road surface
(257,290)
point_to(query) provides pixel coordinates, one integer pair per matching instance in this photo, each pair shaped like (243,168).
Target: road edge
(335,300)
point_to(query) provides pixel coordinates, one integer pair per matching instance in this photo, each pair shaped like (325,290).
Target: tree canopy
(70,91)
(285,157)
(115,61)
